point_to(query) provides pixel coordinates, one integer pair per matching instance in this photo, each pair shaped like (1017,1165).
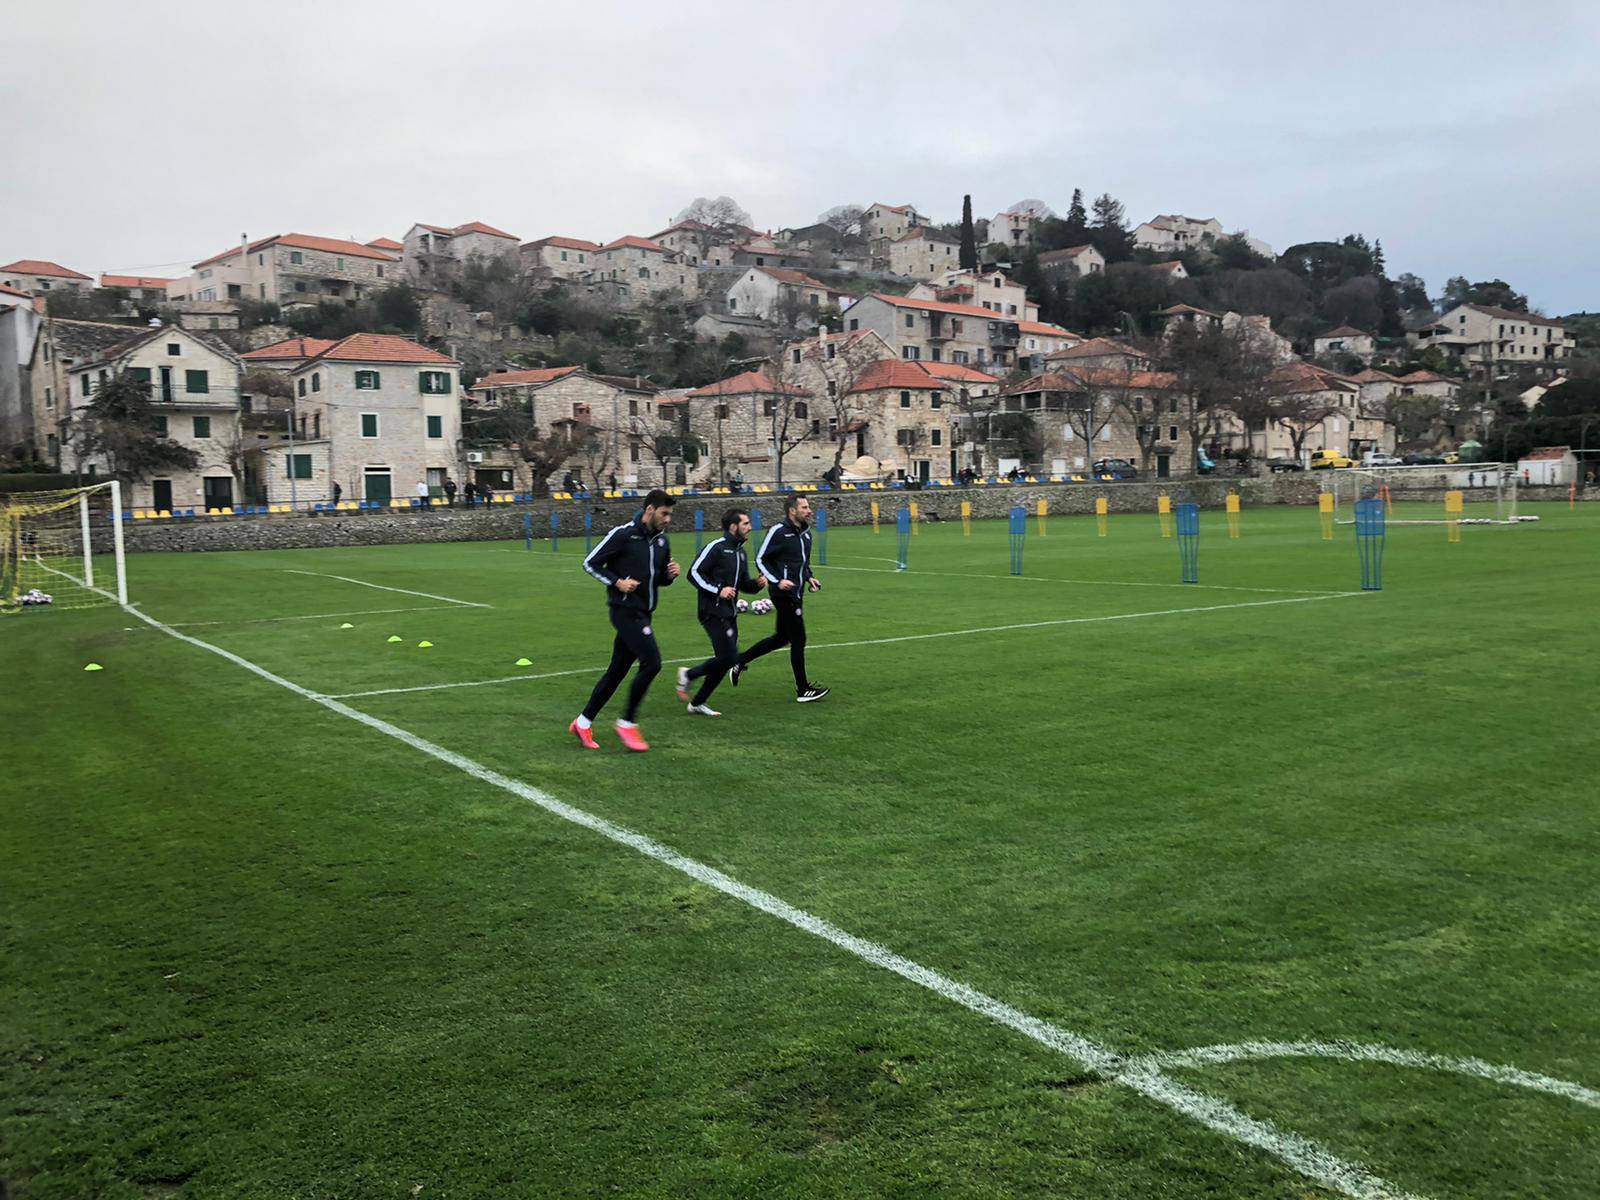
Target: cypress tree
(969,240)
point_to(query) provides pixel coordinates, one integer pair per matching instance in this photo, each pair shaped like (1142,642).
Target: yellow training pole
(913,518)
(1452,513)
(1043,509)
(1233,514)
(966,518)
(1325,507)
(1164,511)
(1100,510)
(874,516)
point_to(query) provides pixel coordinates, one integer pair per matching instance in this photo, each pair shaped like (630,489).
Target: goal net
(47,549)
(1416,495)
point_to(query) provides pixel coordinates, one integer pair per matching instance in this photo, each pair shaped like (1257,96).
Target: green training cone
(524,662)
(395,637)
(423,645)
(94,667)
(347,625)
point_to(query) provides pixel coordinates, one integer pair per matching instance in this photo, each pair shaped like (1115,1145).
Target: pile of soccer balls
(760,607)
(35,596)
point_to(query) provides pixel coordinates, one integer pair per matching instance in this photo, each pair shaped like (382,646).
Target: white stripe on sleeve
(588,562)
(694,570)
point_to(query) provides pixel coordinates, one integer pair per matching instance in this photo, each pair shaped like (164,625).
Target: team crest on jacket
(661,541)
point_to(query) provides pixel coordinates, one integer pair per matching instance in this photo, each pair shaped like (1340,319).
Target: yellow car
(1452,458)
(1324,460)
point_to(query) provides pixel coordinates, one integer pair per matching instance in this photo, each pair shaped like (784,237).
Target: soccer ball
(741,606)
(761,607)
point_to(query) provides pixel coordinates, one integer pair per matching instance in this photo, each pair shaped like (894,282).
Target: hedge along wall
(387,527)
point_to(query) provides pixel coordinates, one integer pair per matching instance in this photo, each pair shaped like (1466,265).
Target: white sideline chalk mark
(1301,1154)
(383,587)
(1210,1056)
(909,637)
(360,612)
(1205,587)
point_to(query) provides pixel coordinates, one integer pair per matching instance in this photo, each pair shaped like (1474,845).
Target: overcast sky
(145,136)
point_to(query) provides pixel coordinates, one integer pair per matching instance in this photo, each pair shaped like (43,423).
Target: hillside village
(872,344)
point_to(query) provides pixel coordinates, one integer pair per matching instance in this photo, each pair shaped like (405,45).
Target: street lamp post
(294,493)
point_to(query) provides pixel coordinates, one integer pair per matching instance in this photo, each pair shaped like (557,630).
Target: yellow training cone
(423,645)
(524,662)
(94,667)
(396,638)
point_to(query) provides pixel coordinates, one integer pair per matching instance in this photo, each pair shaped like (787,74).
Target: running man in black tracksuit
(634,562)
(785,560)
(719,573)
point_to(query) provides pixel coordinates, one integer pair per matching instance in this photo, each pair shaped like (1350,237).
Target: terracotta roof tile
(304,241)
(39,266)
(295,347)
(922,231)
(382,348)
(1096,348)
(388,244)
(1344,331)
(1062,255)
(797,278)
(11,291)
(958,310)
(635,243)
(1076,379)
(957,372)
(746,383)
(563,243)
(1046,329)
(897,373)
(133,281)
(535,377)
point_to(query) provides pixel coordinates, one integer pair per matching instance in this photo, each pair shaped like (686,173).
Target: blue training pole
(555,524)
(588,533)
(1369,542)
(527,529)
(699,527)
(1019,536)
(755,519)
(820,537)
(1189,541)
(902,528)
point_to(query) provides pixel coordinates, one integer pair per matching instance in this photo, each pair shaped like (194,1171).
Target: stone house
(1073,262)
(1105,406)
(921,253)
(934,331)
(193,382)
(1014,229)
(20,319)
(775,294)
(435,254)
(738,419)
(1098,352)
(638,268)
(1330,411)
(141,289)
(1346,339)
(560,257)
(1173,233)
(58,345)
(886,222)
(209,315)
(375,413)
(37,276)
(764,252)
(990,289)
(388,246)
(911,416)
(703,245)
(610,419)
(1500,340)
(1170,271)
(289,269)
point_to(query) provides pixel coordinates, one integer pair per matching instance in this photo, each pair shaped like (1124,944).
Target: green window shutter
(436,427)
(197,381)
(302,385)
(296,257)
(340,263)
(161,426)
(139,374)
(369,425)
(316,382)
(298,466)
(202,427)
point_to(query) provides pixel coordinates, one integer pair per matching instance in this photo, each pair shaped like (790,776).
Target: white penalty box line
(383,587)
(1203,587)
(1302,1155)
(885,641)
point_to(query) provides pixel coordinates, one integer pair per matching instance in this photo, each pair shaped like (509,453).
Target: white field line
(909,637)
(1206,1056)
(383,587)
(360,612)
(1300,1154)
(1213,587)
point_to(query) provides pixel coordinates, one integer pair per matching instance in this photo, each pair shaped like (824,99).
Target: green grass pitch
(255,948)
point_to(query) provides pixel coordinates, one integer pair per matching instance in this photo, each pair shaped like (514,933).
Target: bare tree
(844,219)
(511,426)
(976,414)
(1299,412)
(720,221)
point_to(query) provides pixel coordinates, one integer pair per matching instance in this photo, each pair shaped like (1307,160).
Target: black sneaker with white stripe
(812,691)
(738,670)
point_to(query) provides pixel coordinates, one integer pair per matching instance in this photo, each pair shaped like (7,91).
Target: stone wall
(504,522)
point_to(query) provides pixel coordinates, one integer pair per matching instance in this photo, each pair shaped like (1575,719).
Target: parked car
(1325,460)
(1452,458)
(1284,463)
(1422,460)
(1114,468)
(1203,463)
(1377,458)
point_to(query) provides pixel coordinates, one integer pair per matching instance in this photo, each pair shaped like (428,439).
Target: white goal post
(47,549)
(1489,490)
